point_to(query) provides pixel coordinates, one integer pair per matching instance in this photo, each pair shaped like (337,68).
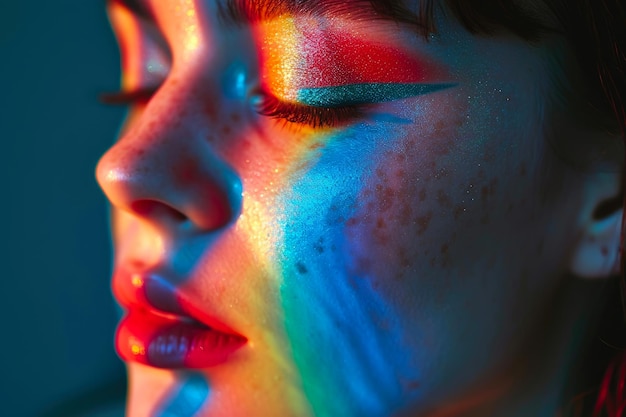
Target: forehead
(531,20)
(266,9)
(309,6)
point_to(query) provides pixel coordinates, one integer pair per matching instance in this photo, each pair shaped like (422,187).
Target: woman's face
(325,213)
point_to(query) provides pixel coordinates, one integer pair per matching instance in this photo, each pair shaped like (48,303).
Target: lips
(157,330)
(172,342)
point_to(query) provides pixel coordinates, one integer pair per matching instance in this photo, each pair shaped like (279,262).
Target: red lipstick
(160,328)
(169,341)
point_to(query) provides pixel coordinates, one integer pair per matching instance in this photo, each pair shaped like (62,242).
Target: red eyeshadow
(339,59)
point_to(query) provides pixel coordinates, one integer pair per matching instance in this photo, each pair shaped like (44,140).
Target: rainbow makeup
(321,64)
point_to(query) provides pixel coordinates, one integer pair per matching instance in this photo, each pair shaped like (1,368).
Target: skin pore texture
(413,244)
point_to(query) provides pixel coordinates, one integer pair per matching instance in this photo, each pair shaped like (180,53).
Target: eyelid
(334,106)
(364,93)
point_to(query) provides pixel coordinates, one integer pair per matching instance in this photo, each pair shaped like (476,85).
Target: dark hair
(595,34)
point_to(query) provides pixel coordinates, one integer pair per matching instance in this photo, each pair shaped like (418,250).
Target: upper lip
(152,292)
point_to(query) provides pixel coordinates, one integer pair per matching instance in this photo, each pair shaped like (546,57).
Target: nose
(164,170)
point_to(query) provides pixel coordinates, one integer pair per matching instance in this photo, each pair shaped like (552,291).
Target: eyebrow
(250,11)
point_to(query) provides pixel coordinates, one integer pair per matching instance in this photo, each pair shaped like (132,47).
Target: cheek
(425,204)
(396,223)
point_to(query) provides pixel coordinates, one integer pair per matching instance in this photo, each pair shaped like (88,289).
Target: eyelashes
(140,95)
(319,116)
(335,106)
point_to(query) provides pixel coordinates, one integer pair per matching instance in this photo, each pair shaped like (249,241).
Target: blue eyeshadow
(353,94)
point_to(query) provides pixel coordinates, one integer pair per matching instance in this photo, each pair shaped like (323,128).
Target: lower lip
(170,343)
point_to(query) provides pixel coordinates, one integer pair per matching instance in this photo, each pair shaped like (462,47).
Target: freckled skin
(378,265)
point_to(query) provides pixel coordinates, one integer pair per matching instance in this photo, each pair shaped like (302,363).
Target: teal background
(56,310)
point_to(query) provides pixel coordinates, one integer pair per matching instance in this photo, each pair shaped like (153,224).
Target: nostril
(154,210)
(167,187)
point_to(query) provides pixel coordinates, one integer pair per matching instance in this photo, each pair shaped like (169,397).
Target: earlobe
(597,253)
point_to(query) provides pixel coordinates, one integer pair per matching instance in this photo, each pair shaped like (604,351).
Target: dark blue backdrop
(58,316)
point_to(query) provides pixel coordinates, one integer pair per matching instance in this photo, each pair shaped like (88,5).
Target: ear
(597,251)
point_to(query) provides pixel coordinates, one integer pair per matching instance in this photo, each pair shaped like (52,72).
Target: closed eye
(313,116)
(334,106)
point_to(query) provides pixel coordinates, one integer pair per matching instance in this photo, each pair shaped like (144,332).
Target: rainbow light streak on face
(323,299)
(329,67)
